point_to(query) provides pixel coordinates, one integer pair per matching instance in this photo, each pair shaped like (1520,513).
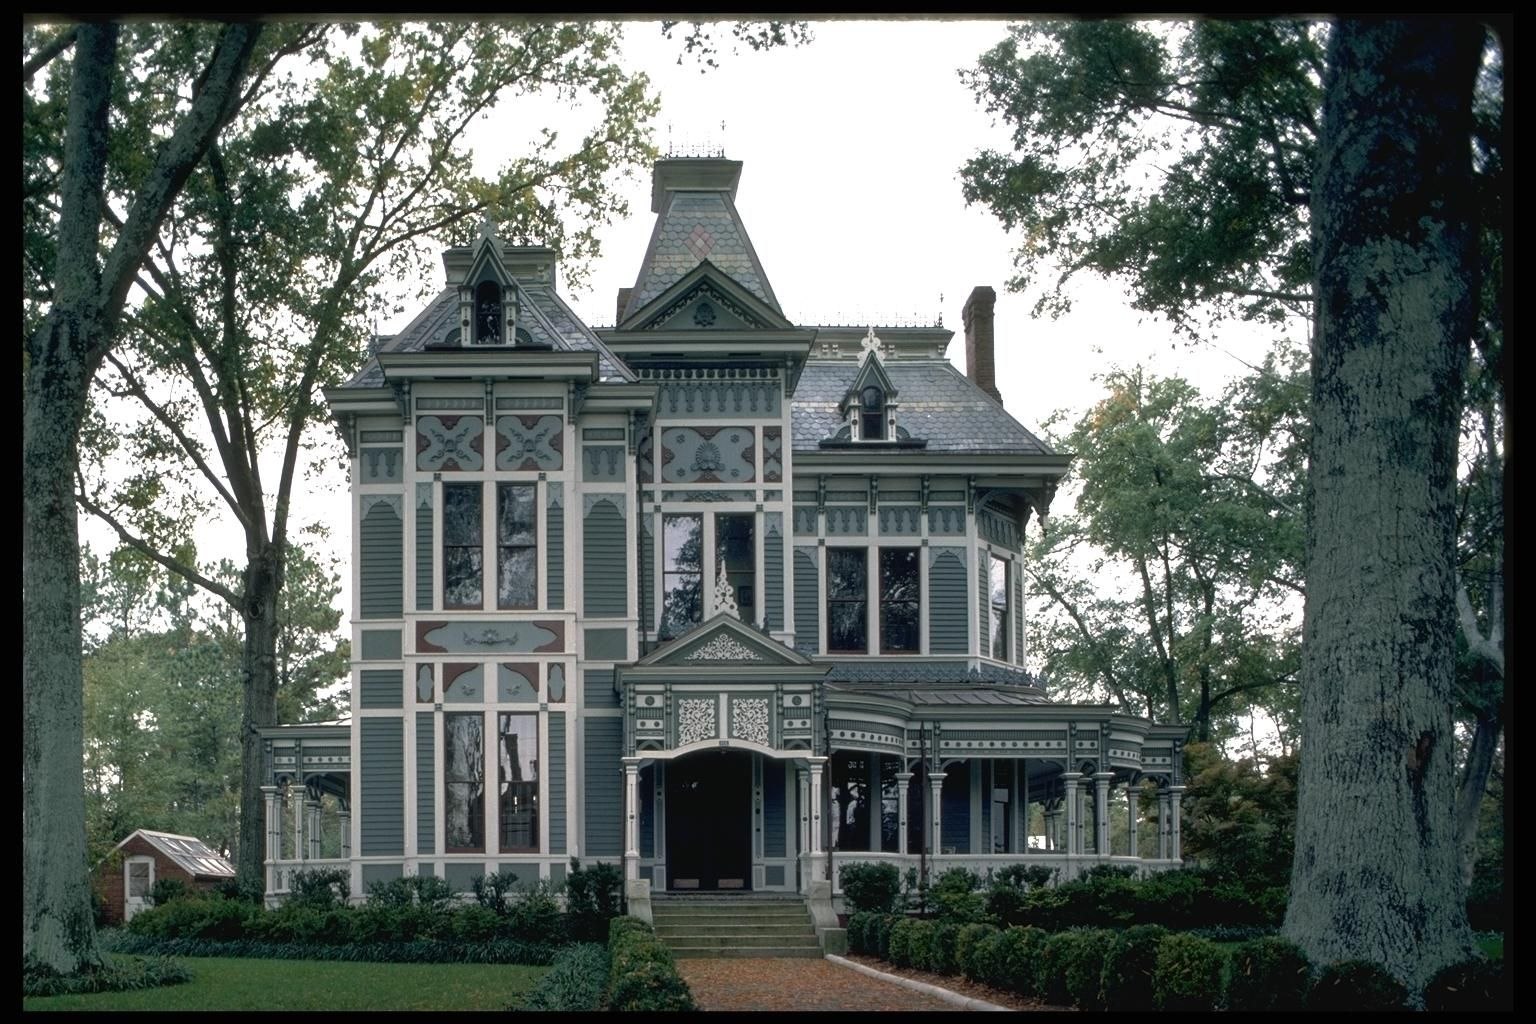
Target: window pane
(845,573)
(463,557)
(519,769)
(738,560)
(462,575)
(461,514)
(138,879)
(890,805)
(1000,591)
(899,596)
(847,599)
(515,580)
(682,580)
(516,522)
(464,782)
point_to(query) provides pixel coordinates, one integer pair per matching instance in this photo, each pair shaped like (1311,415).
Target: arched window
(872,414)
(488,313)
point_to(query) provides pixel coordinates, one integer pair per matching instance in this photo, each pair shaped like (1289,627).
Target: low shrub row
(121,975)
(643,975)
(576,981)
(1150,966)
(416,951)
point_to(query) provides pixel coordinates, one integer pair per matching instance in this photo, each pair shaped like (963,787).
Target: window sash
(682,576)
(517,535)
(847,600)
(464,782)
(736,557)
(1001,601)
(463,547)
(518,793)
(900,599)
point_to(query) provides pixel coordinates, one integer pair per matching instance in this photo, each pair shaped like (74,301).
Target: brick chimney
(977,316)
(618,316)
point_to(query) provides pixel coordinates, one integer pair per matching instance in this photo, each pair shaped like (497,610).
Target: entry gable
(724,640)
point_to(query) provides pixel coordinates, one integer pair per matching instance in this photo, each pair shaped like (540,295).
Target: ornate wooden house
(729,599)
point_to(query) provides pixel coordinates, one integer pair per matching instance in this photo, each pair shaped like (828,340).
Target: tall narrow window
(851,800)
(464,783)
(900,593)
(847,600)
(682,575)
(463,554)
(737,558)
(518,756)
(517,553)
(487,313)
(1001,610)
(872,414)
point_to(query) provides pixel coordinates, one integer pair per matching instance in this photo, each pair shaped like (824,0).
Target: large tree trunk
(1376,873)
(1474,785)
(263,583)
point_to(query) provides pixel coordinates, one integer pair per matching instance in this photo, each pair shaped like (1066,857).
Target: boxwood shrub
(195,917)
(1085,966)
(1189,973)
(1268,974)
(858,923)
(897,942)
(1021,961)
(941,948)
(967,944)
(987,959)
(1126,983)
(1469,987)
(1354,985)
(872,887)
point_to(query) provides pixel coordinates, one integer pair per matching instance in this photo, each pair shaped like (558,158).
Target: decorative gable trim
(709,282)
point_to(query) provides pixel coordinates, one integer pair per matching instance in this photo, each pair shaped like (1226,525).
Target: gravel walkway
(785,984)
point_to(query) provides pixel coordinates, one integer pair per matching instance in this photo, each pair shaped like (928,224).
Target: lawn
(220,983)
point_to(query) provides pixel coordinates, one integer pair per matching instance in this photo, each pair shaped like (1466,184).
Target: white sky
(850,191)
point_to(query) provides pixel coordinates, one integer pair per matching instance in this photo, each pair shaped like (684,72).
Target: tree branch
(49,50)
(143,547)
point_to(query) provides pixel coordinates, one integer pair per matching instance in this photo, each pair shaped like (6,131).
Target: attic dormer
(489,301)
(869,406)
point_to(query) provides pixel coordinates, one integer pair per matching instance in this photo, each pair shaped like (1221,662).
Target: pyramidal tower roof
(694,200)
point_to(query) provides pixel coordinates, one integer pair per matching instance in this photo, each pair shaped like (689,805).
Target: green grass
(220,983)
(1491,943)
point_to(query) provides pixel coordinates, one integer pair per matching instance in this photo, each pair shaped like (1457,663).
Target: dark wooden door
(709,821)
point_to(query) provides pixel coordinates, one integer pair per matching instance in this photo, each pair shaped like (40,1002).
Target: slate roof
(934,402)
(892,672)
(546,317)
(697,226)
(189,853)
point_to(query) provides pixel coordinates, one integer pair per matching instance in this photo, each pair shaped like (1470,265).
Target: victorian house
(731,600)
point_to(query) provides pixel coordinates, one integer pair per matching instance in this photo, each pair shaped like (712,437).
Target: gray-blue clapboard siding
(604,794)
(1018,617)
(605,570)
(381,786)
(948,623)
(647,574)
(983,605)
(807,607)
(426,783)
(554,564)
(647,786)
(556,769)
(773,808)
(773,579)
(381,570)
(597,688)
(381,687)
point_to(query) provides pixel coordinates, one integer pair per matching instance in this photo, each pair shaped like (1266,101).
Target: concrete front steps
(729,925)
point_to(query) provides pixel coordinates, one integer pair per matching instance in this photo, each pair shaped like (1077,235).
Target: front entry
(709,821)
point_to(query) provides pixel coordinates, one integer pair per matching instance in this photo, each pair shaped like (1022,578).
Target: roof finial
(871,343)
(487,228)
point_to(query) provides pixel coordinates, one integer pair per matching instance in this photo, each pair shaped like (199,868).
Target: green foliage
(1126,982)
(576,981)
(880,934)
(1084,966)
(425,891)
(957,897)
(1239,819)
(166,889)
(303,924)
(321,888)
(1472,986)
(1268,974)
(1059,951)
(643,975)
(594,897)
(123,975)
(475,924)
(195,917)
(1188,975)
(1023,876)
(968,946)
(491,890)
(422,950)
(1347,986)
(1020,961)
(940,955)
(1184,899)
(898,945)
(873,887)
(858,922)
(533,913)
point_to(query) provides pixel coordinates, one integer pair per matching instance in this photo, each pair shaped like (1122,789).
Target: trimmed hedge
(420,951)
(1129,966)
(967,946)
(1268,974)
(37,979)
(897,946)
(1354,985)
(576,980)
(1085,967)
(643,975)
(1188,974)
(1021,960)
(871,887)
(195,917)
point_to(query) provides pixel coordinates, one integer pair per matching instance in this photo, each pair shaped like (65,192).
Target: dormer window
(488,313)
(872,414)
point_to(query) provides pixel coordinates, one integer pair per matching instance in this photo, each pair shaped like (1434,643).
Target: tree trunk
(1376,873)
(263,584)
(1474,785)
(57,925)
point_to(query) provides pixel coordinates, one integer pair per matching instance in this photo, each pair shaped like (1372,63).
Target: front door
(709,821)
(138,880)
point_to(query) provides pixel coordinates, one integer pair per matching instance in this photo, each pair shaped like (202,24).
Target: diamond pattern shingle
(934,401)
(694,227)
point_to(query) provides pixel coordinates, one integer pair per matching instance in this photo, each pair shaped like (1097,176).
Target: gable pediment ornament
(724,648)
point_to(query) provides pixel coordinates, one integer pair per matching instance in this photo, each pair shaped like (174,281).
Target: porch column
(631,818)
(346,830)
(1021,806)
(803,803)
(1050,827)
(936,784)
(296,795)
(1074,838)
(903,782)
(312,828)
(1175,846)
(1162,823)
(274,832)
(1101,813)
(816,868)
(1131,796)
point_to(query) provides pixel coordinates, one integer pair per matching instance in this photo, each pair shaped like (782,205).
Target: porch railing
(280,872)
(1067,866)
